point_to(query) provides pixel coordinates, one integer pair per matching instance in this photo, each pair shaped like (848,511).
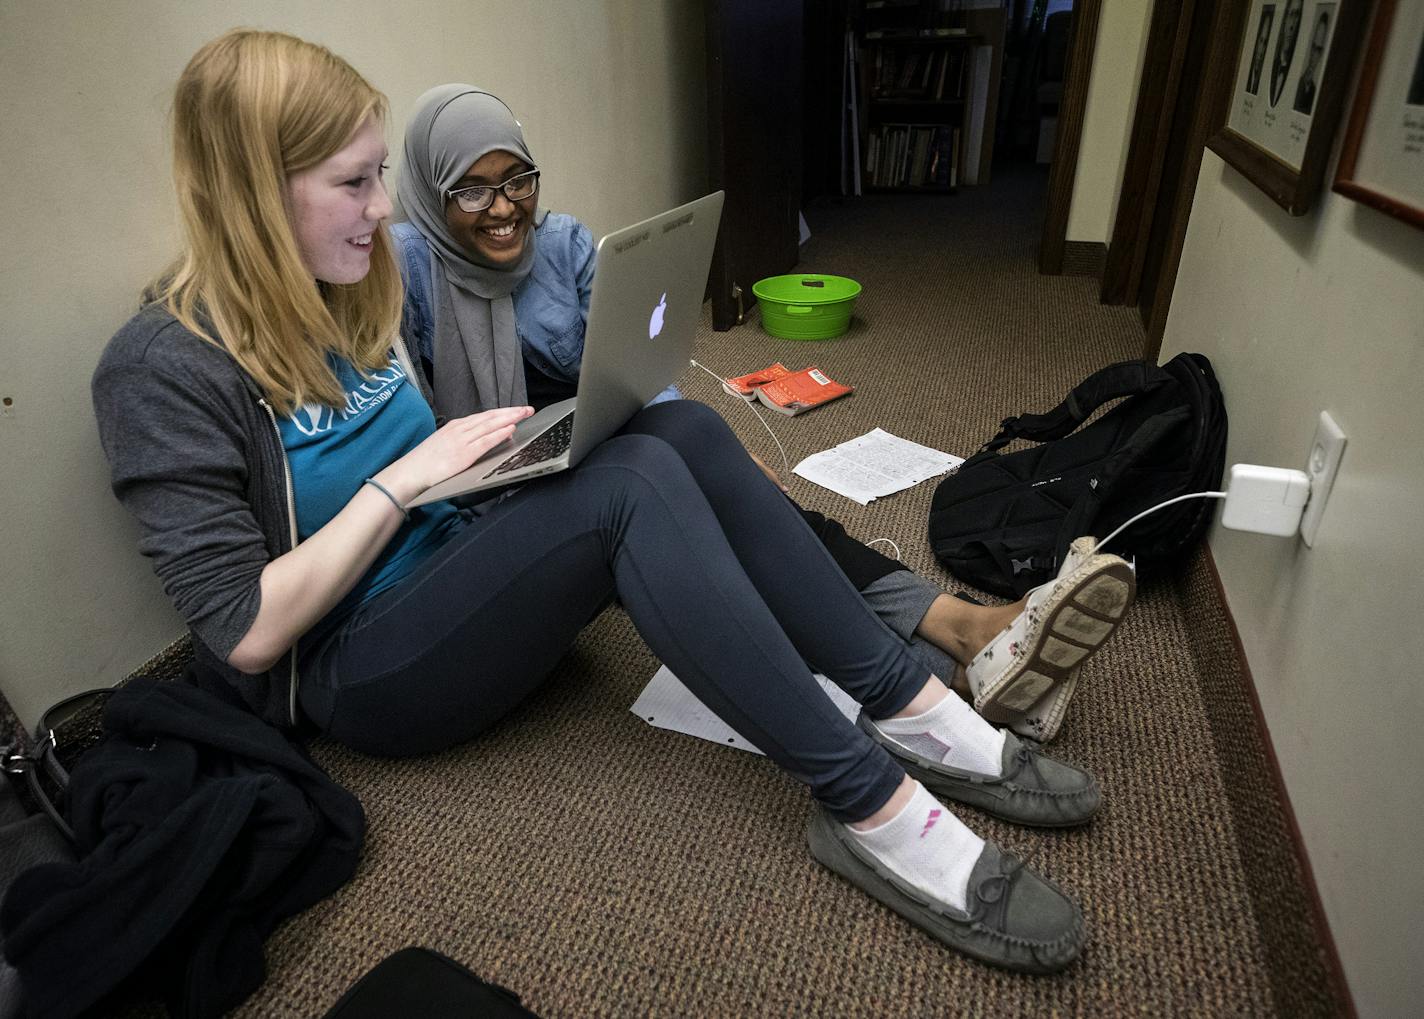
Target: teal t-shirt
(332,451)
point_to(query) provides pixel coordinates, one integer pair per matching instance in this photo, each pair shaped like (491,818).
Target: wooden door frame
(1082,44)
(1214,96)
(1157,91)
(1157,105)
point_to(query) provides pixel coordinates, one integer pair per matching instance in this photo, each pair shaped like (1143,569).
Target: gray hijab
(478,362)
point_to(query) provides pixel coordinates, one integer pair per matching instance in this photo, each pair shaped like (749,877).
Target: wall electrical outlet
(1326,449)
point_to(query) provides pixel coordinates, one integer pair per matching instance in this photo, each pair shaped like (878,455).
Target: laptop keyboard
(553,443)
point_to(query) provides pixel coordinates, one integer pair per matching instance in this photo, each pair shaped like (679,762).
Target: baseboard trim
(1335,969)
(1084,258)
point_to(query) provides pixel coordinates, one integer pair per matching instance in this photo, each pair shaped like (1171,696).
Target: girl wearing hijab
(494,283)
(266,426)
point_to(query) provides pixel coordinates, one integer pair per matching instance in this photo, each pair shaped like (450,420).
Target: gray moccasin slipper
(1033,788)
(1016,919)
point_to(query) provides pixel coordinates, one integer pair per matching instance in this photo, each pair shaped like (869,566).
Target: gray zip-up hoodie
(196,457)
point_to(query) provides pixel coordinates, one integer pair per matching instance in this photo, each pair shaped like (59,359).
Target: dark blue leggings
(716,568)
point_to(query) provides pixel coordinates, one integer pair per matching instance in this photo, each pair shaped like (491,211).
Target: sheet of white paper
(875,464)
(666,704)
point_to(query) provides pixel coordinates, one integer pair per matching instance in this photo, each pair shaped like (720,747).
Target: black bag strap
(44,759)
(1126,378)
(1080,518)
(1008,566)
(1014,574)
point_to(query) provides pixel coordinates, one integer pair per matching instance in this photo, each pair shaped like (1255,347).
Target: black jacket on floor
(200,828)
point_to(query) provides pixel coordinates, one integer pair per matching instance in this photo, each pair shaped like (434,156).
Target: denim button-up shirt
(550,306)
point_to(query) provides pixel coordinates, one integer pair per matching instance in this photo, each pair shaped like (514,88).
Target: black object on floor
(418,981)
(1003,521)
(198,829)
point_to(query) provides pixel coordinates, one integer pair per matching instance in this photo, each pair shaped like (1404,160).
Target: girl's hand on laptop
(455,445)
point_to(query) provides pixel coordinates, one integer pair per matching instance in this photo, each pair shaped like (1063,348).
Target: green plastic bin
(804,306)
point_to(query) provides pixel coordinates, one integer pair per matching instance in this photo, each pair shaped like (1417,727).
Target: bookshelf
(920,92)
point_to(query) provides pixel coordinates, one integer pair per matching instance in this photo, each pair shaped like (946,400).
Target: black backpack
(1003,521)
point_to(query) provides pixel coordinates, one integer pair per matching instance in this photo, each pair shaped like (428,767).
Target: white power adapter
(1267,500)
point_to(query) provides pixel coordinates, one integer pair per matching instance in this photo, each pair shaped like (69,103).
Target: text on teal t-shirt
(332,451)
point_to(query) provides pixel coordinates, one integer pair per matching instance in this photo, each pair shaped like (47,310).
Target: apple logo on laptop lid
(655,324)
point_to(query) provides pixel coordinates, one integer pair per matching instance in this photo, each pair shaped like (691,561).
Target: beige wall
(1326,312)
(612,97)
(1107,118)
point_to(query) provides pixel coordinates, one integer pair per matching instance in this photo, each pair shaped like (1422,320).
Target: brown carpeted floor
(600,867)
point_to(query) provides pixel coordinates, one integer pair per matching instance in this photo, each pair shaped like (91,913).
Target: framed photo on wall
(1382,161)
(1293,64)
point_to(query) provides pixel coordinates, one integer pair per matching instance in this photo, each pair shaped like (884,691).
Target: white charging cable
(887,541)
(721,381)
(1154,509)
(1265,500)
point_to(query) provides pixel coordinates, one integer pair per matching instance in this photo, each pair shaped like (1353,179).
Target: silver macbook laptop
(642,321)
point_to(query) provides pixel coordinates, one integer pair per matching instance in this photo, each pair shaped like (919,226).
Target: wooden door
(754,53)
(1186,83)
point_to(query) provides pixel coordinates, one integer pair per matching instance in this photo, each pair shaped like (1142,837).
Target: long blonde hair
(252,108)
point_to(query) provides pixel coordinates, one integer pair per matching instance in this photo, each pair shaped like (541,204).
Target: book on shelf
(908,66)
(950,84)
(916,33)
(932,75)
(798,392)
(944,157)
(919,157)
(913,155)
(942,76)
(884,141)
(746,385)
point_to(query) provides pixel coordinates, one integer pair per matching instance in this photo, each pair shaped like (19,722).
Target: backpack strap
(1020,574)
(44,756)
(1126,378)
(1081,515)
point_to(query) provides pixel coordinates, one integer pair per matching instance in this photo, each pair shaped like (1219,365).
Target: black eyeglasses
(481,197)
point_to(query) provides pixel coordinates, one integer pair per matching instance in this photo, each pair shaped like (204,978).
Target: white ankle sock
(926,846)
(952,733)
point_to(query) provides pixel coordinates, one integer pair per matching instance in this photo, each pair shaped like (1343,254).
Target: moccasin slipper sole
(832,847)
(1075,621)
